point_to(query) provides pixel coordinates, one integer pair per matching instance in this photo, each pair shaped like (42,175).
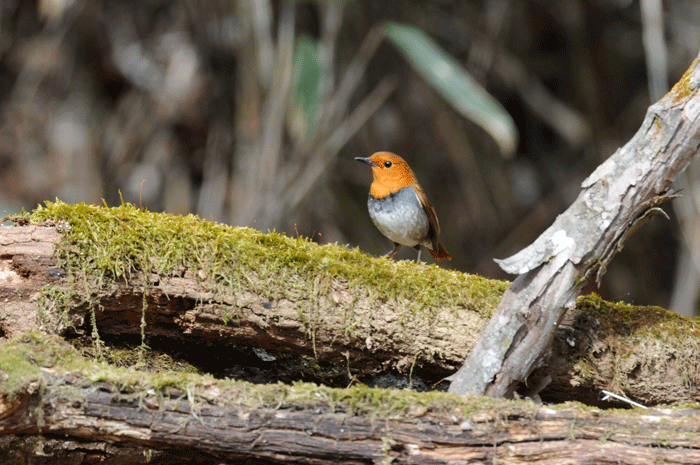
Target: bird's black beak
(366,161)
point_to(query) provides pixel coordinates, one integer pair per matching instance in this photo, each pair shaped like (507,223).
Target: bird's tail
(441,254)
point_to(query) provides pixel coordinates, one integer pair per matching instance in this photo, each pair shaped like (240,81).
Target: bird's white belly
(400,217)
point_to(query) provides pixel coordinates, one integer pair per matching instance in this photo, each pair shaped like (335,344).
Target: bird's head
(391,173)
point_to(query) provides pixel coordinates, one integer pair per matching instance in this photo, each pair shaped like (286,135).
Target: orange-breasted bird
(399,207)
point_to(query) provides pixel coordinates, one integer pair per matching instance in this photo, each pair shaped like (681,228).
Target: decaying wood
(620,194)
(341,326)
(650,356)
(41,450)
(226,420)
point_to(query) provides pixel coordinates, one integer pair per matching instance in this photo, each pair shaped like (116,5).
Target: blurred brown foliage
(185,106)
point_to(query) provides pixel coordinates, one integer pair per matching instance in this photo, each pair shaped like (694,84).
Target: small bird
(399,207)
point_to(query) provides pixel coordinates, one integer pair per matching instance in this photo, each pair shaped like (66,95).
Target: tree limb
(615,198)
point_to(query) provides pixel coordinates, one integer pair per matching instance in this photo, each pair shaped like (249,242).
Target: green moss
(21,369)
(104,244)
(56,300)
(638,321)
(20,361)
(22,358)
(132,357)
(640,341)
(101,245)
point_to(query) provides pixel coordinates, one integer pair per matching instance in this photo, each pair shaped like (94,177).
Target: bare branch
(616,198)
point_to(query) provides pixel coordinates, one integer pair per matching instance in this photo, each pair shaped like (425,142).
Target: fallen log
(239,287)
(49,390)
(360,314)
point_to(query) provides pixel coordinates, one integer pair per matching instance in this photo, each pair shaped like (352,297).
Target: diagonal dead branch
(614,199)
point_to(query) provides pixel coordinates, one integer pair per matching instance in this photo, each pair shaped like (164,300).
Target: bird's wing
(434,230)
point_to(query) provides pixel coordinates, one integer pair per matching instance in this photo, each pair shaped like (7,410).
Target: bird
(399,207)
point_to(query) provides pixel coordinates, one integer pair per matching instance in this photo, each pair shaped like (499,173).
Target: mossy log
(235,286)
(51,391)
(209,287)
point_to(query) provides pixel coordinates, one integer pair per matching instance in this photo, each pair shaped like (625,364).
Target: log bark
(345,325)
(196,418)
(616,198)
(647,354)
(88,411)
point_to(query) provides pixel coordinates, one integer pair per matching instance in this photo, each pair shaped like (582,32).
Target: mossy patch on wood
(23,359)
(646,352)
(113,243)
(347,296)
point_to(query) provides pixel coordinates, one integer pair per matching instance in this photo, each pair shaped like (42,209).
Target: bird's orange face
(391,173)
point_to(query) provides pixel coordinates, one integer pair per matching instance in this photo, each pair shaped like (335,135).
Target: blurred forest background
(250,112)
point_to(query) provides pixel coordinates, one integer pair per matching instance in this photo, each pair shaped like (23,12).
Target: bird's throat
(381,191)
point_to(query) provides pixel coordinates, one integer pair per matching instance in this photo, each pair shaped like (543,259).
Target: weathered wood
(310,424)
(345,325)
(616,198)
(42,450)
(644,353)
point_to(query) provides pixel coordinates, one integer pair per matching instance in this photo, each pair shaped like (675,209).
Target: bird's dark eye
(387,164)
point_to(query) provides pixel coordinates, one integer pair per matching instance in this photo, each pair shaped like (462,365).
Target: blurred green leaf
(307,76)
(452,81)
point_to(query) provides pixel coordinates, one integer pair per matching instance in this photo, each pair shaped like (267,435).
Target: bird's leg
(391,254)
(417,247)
